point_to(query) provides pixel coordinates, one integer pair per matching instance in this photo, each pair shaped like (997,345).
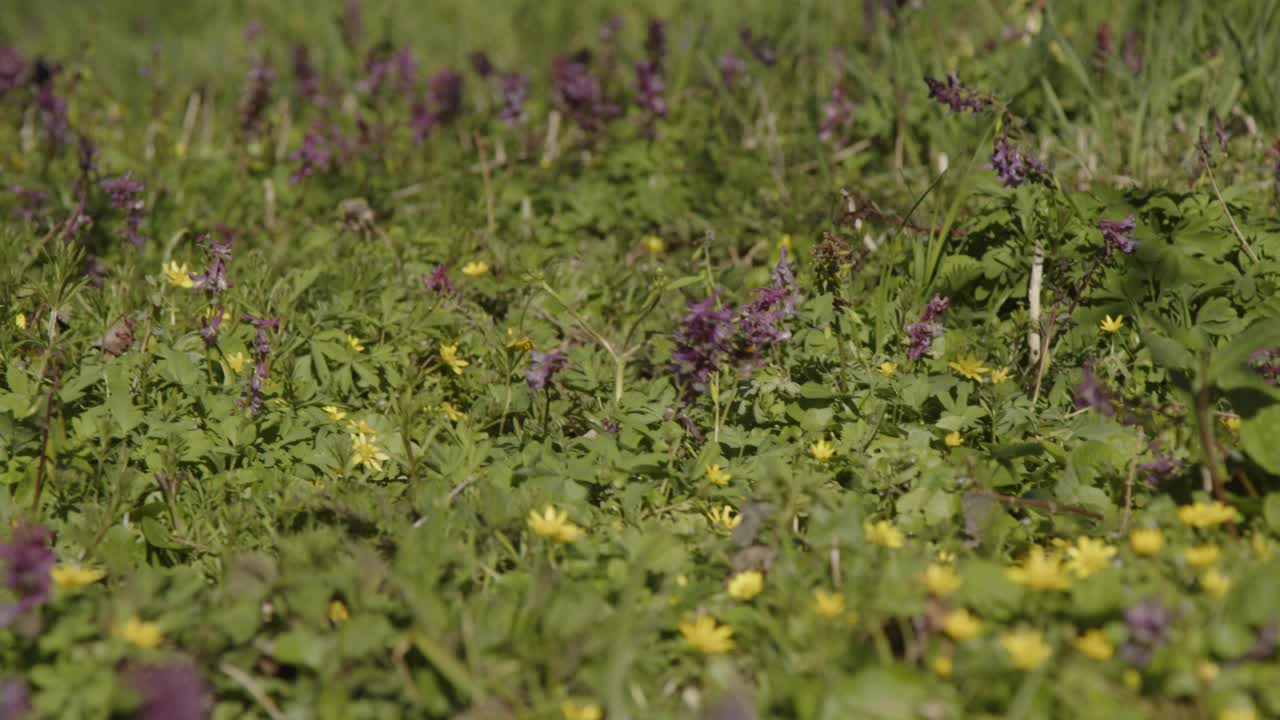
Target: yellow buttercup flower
(953,439)
(354,343)
(724,519)
(365,452)
(20,320)
(969,366)
(1026,648)
(1215,583)
(1112,325)
(449,356)
(1206,514)
(178,275)
(333,413)
(236,361)
(941,579)
(1232,423)
(1094,643)
(960,624)
(1131,678)
(706,636)
(581,711)
(554,526)
(475,268)
(74,577)
(999,376)
(946,557)
(338,612)
(717,475)
(888,369)
(822,451)
(828,604)
(1088,556)
(524,343)
(654,244)
(784,242)
(882,532)
(451,412)
(362,427)
(1202,555)
(942,666)
(1207,671)
(1146,541)
(1040,572)
(137,632)
(746,585)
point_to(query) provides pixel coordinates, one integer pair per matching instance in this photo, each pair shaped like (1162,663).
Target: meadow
(370,359)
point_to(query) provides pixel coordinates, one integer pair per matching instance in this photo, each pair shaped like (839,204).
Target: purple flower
(759,49)
(353,23)
(1267,362)
(761,323)
(210,325)
(955,95)
(650,92)
(934,309)
(1148,624)
(655,41)
(1115,233)
(446,95)
(1092,394)
(1131,53)
(927,328)
(171,692)
(261,351)
(481,64)
(731,67)
(305,74)
(701,342)
(13,70)
(406,70)
(542,367)
(256,96)
(578,93)
(28,559)
(313,156)
(1012,164)
(1162,469)
(251,31)
(214,278)
(1104,46)
(15,699)
(515,89)
(837,114)
(32,203)
(438,281)
(125,192)
(53,113)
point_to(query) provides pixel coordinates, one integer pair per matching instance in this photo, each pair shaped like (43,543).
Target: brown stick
(1049,505)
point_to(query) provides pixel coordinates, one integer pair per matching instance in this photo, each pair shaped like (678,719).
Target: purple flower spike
(15,699)
(927,328)
(1092,394)
(1116,234)
(955,95)
(446,95)
(837,114)
(1012,164)
(650,91)
(13,70)
(578,93)
(171,692)
(28,558)
(702,340)
(515,90)
(542,367)
(731,69)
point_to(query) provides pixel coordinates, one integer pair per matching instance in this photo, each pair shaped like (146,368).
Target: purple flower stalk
(701,342)
(837,114)
(1148,623)
(305,74)
(261,351)
(406,70)
(1116,235)
(13,70)
(256,97)
(125,195)
(955,95)
(171,692)
(28,558)
(761,323)
(515,90)
(655,41)
(927,328)
(214,278)
(32,204)
(312,157)
(542,367)
(438,282)
(1162,469)
(353,23)
(1012,164)
(53,114)
(481,64)
(446,95)
(650,92)
(578,93)
(731,69)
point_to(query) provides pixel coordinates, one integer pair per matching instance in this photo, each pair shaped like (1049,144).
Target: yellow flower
(137,632)
(828,604)
(235,361)
(1261,546)
(583,711)
(1132,679)
(1094,644)
(1112,325)
(1088,556)
(1202,555)
(211,312)
(361,428)
(177,275)
(1215,583)
(888,369)
(355,344)
(475,268)
(999,376)
(822,451)
(960,624)
(1207,671)
(523,343)
(969,366)
(554,525)
(946,557)
(882,532)
(654,244)
(451,412)
(706,636)
(953,439)
(338,612)
(449,356)
(784,242)
(940,579)
(74,577)
(746,585)
(1040,572)
(1232,423)
(942,666)
(20,320)
(1237,712)
(1026,648)
(333,413)
(1205,514)
(717,475)
(364,452)
(724,519)
(682,580)
(1146,541)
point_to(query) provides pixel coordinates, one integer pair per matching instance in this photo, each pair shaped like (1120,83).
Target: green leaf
(1258,439)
